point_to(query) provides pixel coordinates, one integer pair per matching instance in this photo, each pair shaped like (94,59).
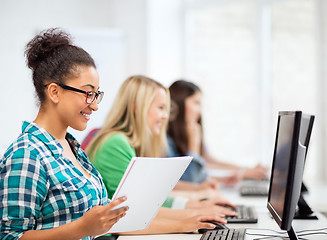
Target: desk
(317,197)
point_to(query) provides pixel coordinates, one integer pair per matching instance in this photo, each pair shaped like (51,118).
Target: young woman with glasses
(48,187)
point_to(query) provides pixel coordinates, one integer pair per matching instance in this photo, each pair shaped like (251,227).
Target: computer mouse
(218,226)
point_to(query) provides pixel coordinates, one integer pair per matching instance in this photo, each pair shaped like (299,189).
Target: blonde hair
(128,116)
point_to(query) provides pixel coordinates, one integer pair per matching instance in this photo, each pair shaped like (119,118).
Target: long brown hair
(179,91)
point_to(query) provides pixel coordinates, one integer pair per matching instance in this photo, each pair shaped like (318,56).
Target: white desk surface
(316,199)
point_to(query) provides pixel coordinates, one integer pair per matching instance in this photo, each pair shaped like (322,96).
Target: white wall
(108,48)
(321,36)
(165,40)
(251,76)
(148,37)
(21,20)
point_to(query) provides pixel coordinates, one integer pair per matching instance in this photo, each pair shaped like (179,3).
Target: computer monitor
(304,211)
(287,171)
(306,129)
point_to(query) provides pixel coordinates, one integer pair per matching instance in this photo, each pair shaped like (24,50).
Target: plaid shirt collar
(44,136)
(54,145)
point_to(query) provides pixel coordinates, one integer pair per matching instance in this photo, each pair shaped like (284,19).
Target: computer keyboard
(255,188)
(221,234)
(245,214)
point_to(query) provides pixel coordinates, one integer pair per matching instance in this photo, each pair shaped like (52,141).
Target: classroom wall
(153,38)
(133,30)
(21,20)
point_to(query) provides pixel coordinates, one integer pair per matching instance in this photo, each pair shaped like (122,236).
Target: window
(252,59)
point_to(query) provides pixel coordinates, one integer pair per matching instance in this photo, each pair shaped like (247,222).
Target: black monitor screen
(281,164)
(306,129)
(287,170)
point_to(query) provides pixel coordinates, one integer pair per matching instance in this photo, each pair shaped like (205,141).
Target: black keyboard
(245,214)
(254,188)
(221,234)
(253,191)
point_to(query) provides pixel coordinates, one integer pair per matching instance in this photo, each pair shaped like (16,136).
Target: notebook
(147,183)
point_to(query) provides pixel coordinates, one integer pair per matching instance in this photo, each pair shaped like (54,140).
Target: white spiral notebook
(147,183)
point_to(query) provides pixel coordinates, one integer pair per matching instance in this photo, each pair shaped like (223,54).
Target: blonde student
(48,187)
(136,126)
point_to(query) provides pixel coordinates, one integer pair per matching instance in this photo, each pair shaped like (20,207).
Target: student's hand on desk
(258,172)
(208,203)
(218,202)
(210,183)
(231,180)
(100,219)
(197,222)
(210,194)
(216,209)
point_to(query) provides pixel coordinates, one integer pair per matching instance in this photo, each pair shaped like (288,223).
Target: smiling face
(73,110)
(193,107)
(157,113)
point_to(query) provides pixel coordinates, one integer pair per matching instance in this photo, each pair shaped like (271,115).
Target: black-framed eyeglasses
(90,95)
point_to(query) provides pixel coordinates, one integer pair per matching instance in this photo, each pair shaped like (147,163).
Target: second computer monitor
(287,171)
(304,211)
(306,129)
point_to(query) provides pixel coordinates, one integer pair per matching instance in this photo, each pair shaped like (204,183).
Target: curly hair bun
(43,45)
(53,58)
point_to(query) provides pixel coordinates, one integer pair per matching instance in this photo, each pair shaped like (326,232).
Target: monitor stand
(292,235)
(304,188)
(304,211)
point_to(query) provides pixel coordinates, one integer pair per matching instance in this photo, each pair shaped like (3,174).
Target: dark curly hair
(53,58)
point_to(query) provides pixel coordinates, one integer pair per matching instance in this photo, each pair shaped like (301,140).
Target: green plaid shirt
(39,188)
